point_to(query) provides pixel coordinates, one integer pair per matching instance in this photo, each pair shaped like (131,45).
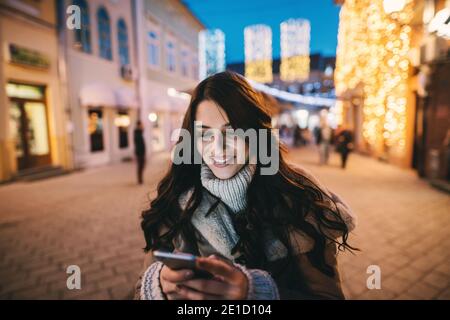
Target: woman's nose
(218,145)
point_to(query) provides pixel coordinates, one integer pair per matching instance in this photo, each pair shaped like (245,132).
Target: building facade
(429,90)
(167,45)
(392,81)
(33,131)
(372,75)
(100,75)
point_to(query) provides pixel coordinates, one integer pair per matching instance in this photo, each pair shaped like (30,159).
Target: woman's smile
(221,162)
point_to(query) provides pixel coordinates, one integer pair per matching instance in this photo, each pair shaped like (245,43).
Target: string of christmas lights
(372,53)
(211,52)
(294,43)
(258,53)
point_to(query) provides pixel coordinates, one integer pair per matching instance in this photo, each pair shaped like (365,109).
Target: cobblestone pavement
(91,219)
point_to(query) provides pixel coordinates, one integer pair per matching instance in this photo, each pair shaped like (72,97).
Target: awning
(97,94)
(126,98)
(100,94)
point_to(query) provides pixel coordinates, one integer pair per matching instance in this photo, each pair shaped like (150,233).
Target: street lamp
(391,6)
(152,117)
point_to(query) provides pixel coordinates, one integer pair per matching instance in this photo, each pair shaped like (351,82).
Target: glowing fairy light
(373,46)
(211,52)
(391,6)
(258,53)
(294,42)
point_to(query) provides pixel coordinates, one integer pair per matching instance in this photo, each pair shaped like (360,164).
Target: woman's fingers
(168,287)
(176,276)
(216,267)
(208,286)
(190,294)
(237,281)
(175,296)
(222,258)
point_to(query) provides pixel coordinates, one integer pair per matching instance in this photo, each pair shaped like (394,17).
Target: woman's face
(224,153)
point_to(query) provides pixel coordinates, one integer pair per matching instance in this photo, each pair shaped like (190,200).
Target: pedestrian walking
(344,144)
(298,138)
(139,150)
(324,137)
(260,236)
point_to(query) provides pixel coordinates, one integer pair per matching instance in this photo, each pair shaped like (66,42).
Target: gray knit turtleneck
(231,191)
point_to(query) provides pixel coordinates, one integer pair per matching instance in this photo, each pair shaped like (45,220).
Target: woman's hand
(229,282)
(169,280)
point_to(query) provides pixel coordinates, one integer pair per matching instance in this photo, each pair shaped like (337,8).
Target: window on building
(170,56)
(195,67)
(122,37)
(95,129)
(83,35)
(153,48)
(184,63)
(104,34)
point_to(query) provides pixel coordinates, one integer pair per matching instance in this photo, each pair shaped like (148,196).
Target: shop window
(95,129)
(122,123)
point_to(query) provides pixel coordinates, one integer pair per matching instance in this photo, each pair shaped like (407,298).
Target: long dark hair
(290,191)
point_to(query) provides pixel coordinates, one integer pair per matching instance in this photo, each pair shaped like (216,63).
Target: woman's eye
(207,137)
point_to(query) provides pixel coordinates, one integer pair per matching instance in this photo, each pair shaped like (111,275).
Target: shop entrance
(28,125)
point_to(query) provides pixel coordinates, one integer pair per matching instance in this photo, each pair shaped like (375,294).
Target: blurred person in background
(298,138)
(139,150)
(286,135)
(261,236)
(324,137)
(344,144)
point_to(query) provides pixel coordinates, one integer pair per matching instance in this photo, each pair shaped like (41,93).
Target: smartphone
(177,261)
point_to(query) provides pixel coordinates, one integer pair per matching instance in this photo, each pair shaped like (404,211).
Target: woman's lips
(221,162)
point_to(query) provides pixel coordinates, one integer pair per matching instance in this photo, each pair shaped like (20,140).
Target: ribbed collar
(232,191)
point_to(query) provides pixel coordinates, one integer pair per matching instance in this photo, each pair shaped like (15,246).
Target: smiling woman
(261,236)
(218,153)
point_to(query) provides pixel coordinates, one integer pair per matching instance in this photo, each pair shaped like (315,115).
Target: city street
(91,219)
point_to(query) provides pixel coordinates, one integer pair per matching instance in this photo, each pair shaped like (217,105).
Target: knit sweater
(218,229)
(231,191)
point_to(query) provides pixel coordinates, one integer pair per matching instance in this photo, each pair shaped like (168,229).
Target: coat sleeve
(317,285)
(314,284)
(148,286)
(344,210)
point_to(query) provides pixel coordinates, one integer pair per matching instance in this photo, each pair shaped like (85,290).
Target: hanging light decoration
(258,53)
(373,46)
(295,38)
(391,6)
(211,52)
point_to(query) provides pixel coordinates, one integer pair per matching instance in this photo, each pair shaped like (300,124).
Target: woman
(139,150)
(261,236)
